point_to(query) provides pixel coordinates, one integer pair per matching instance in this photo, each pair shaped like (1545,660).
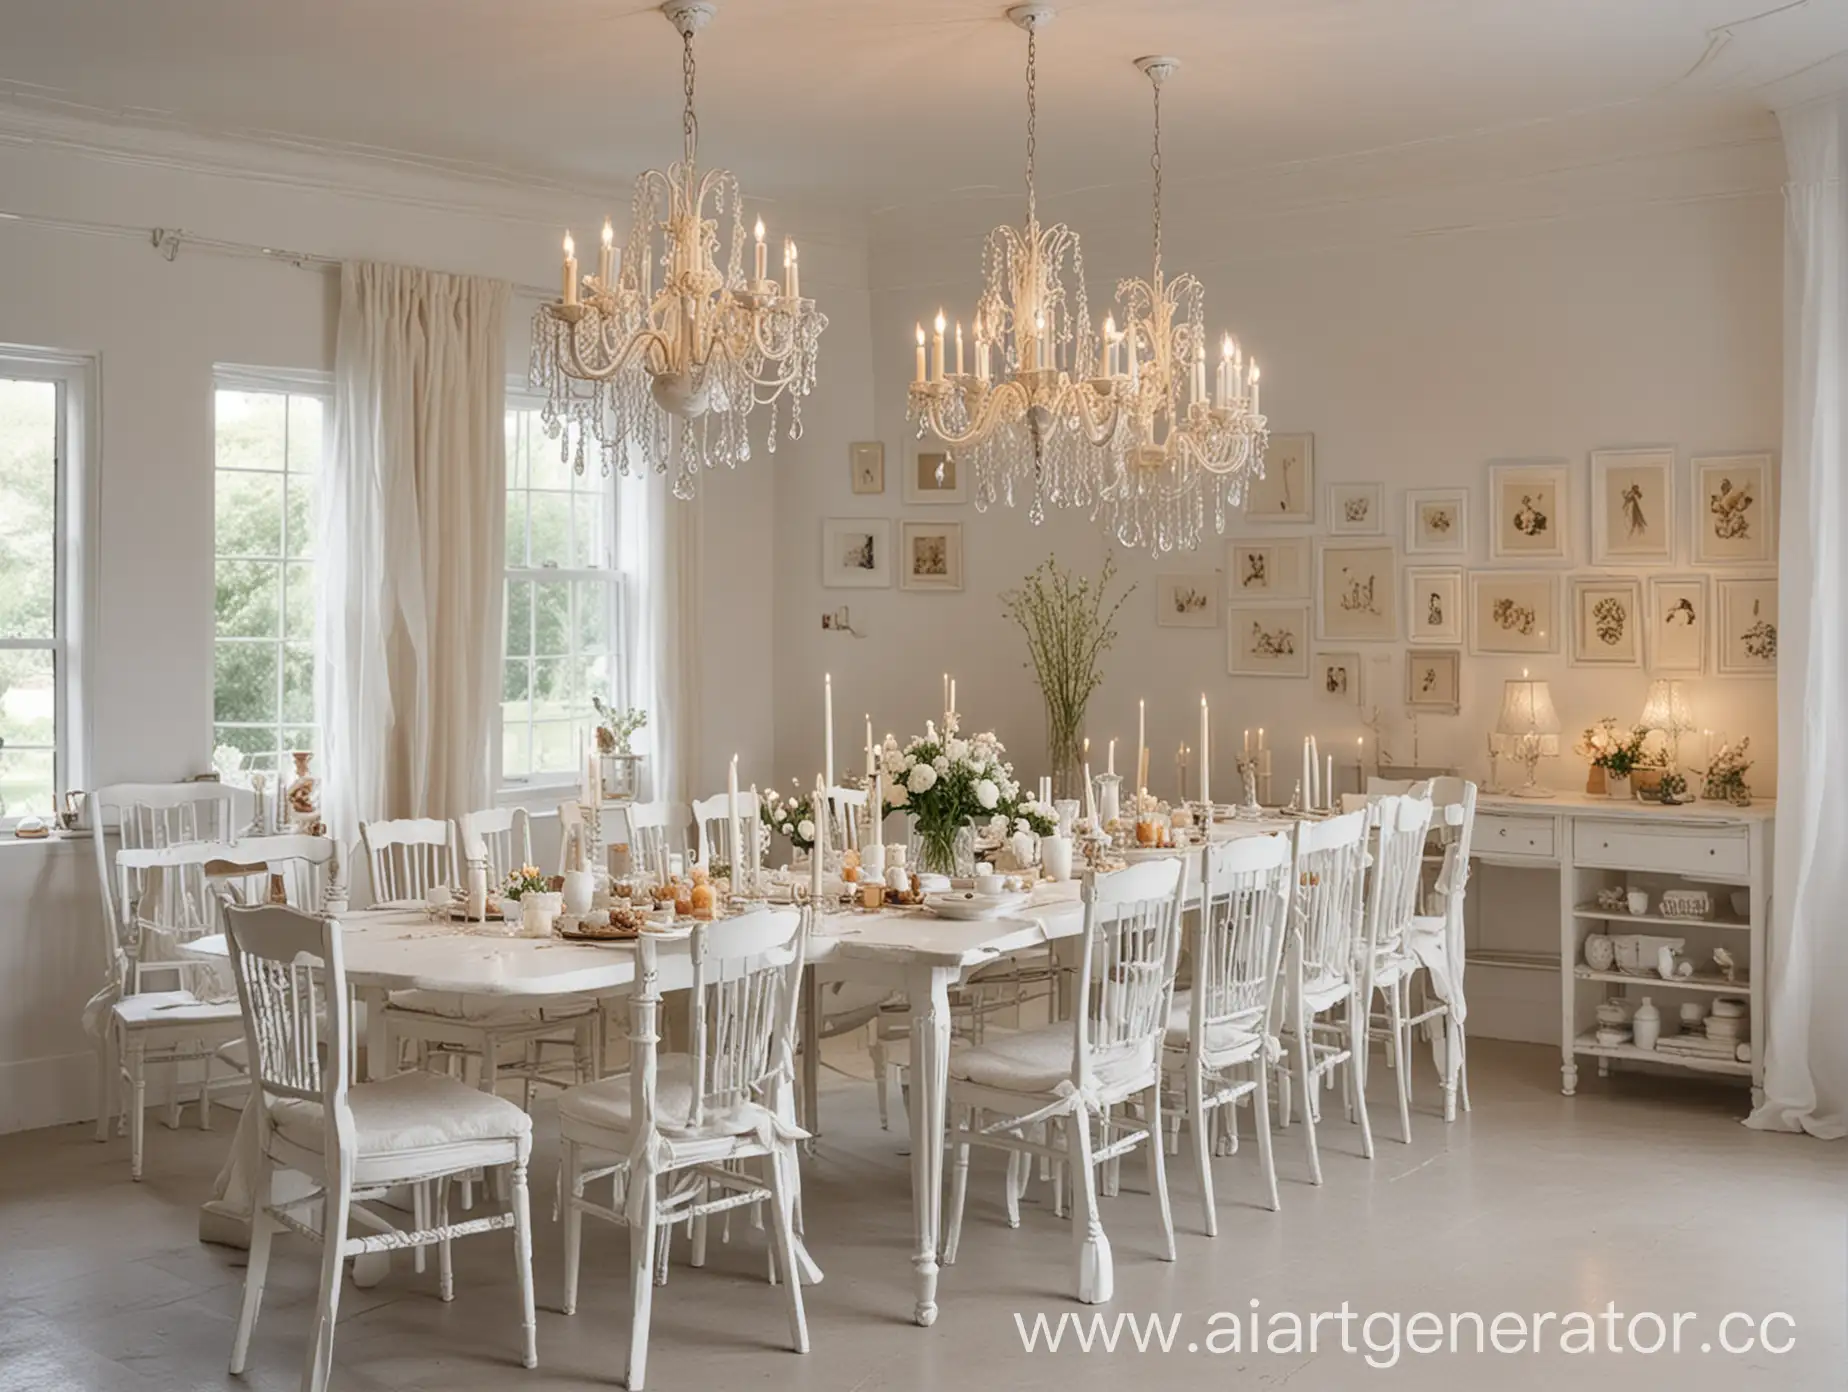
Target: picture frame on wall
(1434,681)
(933,476)
(1679,619)
(1267,640)
(866,466)
(856,553)
(1357,592)
(1272,568)
(1434,604)
(1607,621)
(1356,509)
(1340,676)
(1746,621)
(1633,507)
(1735,510)
(1187,599)
(1513,612)
(1529,511)
(1286,493)
(930,556)
(1437,522)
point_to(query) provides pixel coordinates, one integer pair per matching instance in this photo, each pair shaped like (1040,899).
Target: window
(563,606)
(268,460)
(39,404)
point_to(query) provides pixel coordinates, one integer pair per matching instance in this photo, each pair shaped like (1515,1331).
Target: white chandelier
(1170,458)
(1028,415)
(667,377)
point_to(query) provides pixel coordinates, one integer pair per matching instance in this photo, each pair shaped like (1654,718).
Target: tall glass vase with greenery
(1070,623)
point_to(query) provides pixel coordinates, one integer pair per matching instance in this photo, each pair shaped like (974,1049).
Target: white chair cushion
(1221,1038)
(411,1111)
(175,1008)
(604,1104)
(1038,1060)
(490,1010)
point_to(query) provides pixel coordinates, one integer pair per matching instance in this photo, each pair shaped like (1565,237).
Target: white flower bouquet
(793,816)
(947,783)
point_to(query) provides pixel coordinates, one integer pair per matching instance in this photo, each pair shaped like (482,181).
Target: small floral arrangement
(1724,780)
(793,816)
(1617,753)
(528,879)
(1031,815)
(947,782)
(616,728)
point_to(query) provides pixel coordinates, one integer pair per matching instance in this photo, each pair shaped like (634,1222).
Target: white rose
(806,829)
(958,749)
(896,795)
(941,764)
(987,793)
(923,778)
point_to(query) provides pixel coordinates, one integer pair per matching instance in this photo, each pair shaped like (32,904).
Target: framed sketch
(1632,506)
(1276,569)
(1528,510)
(1434,680)
(1434,604)
(1607,629)
(856,553)
(1747,628)
(1340,676)
(1187,599)
(1513,611)
(930,556)
(1735,515)
(1356,509)
(866,466)
(933,476)
(1357,594)
(1437,522)
(1267,640)
(1286,493)
(1677,624)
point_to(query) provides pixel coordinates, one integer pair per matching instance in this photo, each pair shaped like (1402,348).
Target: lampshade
(1527,708)
(1667,708)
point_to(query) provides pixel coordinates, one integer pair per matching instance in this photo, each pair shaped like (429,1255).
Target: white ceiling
(884,103)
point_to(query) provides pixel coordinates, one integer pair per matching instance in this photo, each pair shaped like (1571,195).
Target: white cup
(1056,856)
(987,882)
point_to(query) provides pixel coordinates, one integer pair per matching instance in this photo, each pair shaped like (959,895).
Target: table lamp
(1666,709)
(1531,727)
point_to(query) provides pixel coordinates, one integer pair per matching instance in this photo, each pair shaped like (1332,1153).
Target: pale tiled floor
(1645,1192)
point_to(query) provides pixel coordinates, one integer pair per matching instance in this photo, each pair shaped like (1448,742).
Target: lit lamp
(1667,710)
(1530,727)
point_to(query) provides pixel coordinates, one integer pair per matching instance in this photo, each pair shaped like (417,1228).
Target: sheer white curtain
(1806,1063)
(412,534)
(659,552)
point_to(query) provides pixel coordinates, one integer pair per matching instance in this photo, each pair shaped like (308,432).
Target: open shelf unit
(1719,985)
(1588,1044)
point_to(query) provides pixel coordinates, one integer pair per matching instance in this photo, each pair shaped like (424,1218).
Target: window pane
(516,529)
(258,745)
(305,417)
(299,602)
(244,683)
(519,618)
(26,783)
(297,682)
(587,540)
(555,692)
(551,530)
(301,515)
(301,737)
(557,746)
(250,430)
(593,616)
(28,697)
(514,763)
(551,617)
(516,681)
(249,514)
(249,598)
(551,468)
(28,507)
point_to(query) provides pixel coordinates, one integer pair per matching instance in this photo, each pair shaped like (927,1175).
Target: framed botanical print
(1357,592)
(1434,604)
(1434,680)
(1632,507)
(933,475)
(1187,599)
(1607,628)
(1735,515)
(1437,522)
(1267,640)
(1286,493)
(1340,676)
(1528,505)
(856,553)
(1678,621)
(1514,612)
(1747,628)
(1356,509)
(930,556)
(866,466)
(1277,569)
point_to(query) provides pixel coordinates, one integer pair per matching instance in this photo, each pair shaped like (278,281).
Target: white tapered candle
(827,716)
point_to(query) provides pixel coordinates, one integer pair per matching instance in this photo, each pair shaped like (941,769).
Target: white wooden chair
(671,1132)
(846,814)
(502,836)
(1082,1072)
(655,831)
(409,857)
(1324,972)
(299,866)
(712,819)
(353,1141)
(1221,1024)
(1396,849)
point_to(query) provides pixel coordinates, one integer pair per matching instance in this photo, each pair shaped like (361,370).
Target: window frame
(74,512)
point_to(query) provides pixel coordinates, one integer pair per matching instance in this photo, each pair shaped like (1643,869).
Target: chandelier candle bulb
(959,346)
(571,288)
(936,349)
(1254,388)
(606,258)
(763,255)
(920,376)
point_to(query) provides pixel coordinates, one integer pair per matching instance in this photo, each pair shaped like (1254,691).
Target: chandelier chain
(1155,163)
(1032,121)
(689,122)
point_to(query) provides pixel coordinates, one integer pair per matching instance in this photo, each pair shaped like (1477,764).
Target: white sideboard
(1593,843)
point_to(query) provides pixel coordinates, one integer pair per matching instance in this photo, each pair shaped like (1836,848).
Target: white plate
(968,906)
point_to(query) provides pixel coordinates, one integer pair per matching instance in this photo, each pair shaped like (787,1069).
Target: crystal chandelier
(1027,416)
(666,377)
(1170,460)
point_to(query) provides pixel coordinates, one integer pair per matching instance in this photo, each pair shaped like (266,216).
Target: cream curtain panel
(1806,1065)
(660,551)
(412,534)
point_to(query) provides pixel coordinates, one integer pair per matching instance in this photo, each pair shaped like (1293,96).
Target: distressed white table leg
(928,995)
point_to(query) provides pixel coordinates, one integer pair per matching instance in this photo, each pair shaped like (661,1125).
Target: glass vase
(1065,755)
(946,850)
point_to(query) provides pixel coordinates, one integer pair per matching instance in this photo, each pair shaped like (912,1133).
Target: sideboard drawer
(1499,833)
(1678,850)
